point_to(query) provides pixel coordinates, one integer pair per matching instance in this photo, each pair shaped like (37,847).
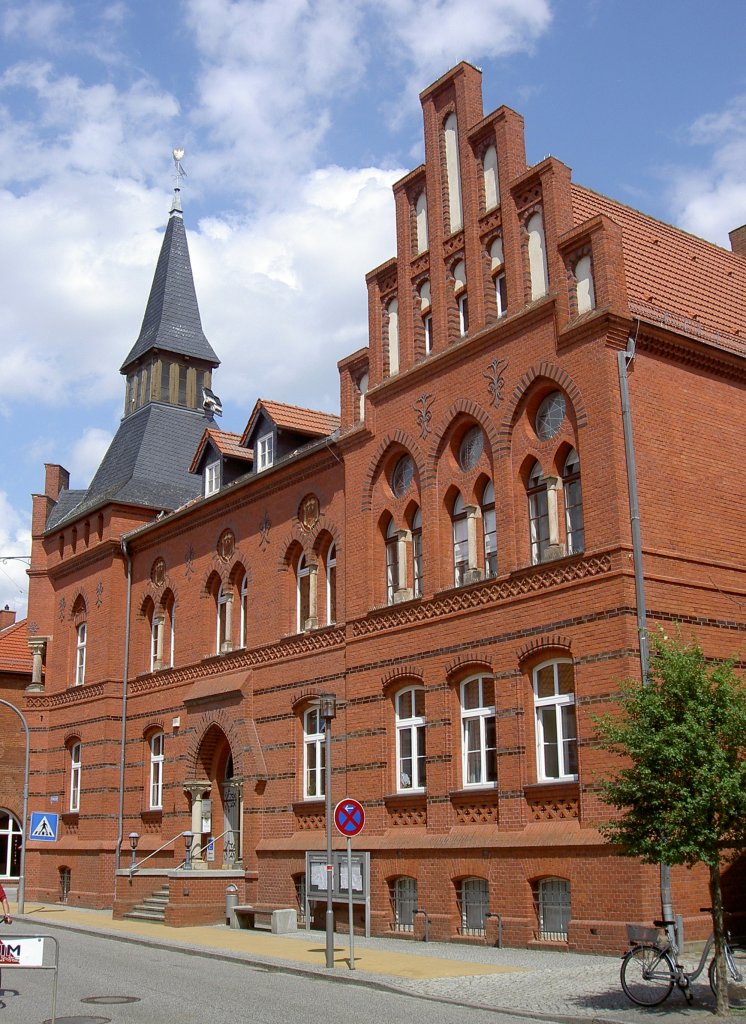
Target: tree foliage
(682,790)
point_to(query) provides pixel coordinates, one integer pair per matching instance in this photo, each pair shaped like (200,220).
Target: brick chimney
(56,479)
(738,240)
(7,617)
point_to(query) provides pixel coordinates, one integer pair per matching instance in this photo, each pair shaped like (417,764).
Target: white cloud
(15,540)
(710,200)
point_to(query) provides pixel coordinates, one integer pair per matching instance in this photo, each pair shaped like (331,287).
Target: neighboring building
(15,677)
(452,558)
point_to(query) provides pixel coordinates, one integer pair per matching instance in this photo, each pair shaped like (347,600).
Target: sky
(296,117)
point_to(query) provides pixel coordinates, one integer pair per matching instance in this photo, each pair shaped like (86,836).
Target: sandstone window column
(554,547)
(312,621)
(157,642)
(402,592)
(38,645)
(472,573)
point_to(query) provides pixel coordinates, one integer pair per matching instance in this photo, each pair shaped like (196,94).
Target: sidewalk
(535,984)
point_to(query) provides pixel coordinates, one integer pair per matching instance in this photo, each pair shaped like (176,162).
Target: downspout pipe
(125,675)
(623,362)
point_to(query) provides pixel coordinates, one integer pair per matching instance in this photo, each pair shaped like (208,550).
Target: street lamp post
(188,837)
(22,875)
(328,711)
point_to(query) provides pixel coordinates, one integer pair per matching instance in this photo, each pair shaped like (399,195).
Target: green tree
(681,786)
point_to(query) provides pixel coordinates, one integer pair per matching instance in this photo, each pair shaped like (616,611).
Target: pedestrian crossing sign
(44,826)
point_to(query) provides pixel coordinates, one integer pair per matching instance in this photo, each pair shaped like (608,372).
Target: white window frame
(392,562)
(489,526)
(411,747)
(538,514)
(460,539)
(331,585)
(156,771)
(244,598)
(81,640)
(303,579)
(417,575)
(314,755)
(573,493)
(265,451)
(558,709)
(212,477)
(485,717)
(222,602)
(156,640)
(75,774)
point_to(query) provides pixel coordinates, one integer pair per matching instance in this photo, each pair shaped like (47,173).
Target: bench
(280,920)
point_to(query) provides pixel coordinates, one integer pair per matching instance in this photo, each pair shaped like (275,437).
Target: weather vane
(179,173)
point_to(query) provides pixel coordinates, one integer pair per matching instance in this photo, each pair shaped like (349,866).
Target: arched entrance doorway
(216,803)
(10,845)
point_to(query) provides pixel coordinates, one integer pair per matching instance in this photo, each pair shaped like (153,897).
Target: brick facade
(231,703)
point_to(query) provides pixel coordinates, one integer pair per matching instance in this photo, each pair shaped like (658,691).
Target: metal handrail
(197,851)
(136,867)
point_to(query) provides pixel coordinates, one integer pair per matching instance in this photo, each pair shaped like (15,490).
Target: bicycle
(650,967)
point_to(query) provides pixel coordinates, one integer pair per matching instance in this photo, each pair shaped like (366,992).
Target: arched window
(410,739)
(453,173)
(460,528)
(417,554)
(573,503)
(224,605)
(244,595)
(156,640)
(393,336)
(403,893)
(554,909)
(314,754)
(303,594)
(584,291)
(489,524)
(491,184)
(538,514)
(392,561)
(169,609)
(556,730)
(478,731)
(420,210)
(156,771)
(11,838)
(497,261)
(537,257)
(427,315)
(362,388)
(81,638)
(75,772)
(331,585)
(474,905)
(462,299)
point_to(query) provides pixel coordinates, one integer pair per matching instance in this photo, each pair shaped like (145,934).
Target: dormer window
(265,452)
(212,477)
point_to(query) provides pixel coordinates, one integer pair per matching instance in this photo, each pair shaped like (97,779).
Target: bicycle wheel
(647,975)
(735,964)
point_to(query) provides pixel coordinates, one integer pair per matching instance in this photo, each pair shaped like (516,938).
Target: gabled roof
(172,322)
(15,654)
(147,464)
(668,270)
(227,444)
(293,418)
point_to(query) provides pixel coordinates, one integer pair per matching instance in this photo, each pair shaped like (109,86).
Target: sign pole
(349,904)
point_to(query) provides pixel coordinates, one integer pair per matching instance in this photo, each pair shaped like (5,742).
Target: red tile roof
(15,655)
(670,271)
(226,443)
(295,418)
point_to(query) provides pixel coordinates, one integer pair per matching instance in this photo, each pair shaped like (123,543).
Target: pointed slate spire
(172,322)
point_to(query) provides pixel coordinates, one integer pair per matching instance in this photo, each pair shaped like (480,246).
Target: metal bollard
(231,902)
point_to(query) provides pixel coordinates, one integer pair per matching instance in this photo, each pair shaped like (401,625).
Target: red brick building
(451,557)
(15,677)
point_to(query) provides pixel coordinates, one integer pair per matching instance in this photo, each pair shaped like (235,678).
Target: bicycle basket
(640,934)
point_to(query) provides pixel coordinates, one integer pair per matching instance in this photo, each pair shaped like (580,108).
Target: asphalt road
(166,987)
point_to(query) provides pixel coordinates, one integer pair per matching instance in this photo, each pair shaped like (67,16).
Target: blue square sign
(44,826)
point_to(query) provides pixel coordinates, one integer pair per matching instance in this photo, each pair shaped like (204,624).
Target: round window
(472,445)
(550,415)
(401,478)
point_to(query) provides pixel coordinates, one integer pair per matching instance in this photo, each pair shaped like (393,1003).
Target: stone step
(139,914)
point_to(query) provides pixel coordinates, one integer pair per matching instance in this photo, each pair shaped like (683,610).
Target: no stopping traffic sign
(349,817)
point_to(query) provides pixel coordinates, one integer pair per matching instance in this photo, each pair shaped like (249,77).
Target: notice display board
(316,876)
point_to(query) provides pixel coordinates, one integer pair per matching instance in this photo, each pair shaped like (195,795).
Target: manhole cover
(79,1020)
(110,1000)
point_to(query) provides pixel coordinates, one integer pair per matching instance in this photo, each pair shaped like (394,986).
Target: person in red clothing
(6,906)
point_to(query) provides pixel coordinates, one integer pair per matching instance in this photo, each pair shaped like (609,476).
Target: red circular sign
(349,817)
